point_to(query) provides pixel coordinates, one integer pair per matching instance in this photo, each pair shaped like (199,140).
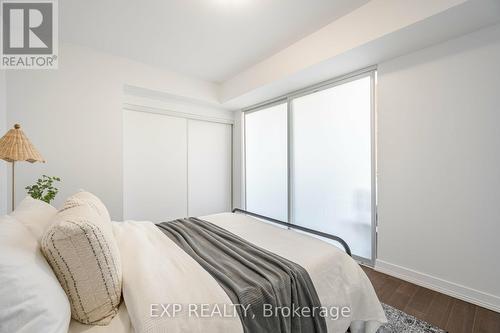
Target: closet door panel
(154,166)
(209,167)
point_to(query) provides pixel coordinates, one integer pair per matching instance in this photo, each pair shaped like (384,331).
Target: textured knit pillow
(83,254)
(94,202)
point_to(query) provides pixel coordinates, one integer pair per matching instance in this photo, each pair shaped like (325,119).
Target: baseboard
(473,296)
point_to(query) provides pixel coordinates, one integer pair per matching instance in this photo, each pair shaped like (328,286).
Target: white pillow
(36,215)
(31,298)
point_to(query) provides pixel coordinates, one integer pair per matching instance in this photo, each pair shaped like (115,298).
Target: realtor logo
(29,34)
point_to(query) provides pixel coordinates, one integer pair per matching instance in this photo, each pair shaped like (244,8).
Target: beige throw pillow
(82,251)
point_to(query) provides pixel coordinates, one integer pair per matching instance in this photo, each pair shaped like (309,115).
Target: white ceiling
(209,39)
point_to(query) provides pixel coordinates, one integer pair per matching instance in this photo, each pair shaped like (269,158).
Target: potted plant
(44,189)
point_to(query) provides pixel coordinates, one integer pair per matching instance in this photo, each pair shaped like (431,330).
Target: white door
(154,167)
(209,167)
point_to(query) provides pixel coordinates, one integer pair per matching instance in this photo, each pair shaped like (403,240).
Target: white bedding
(338,279)
(156,271)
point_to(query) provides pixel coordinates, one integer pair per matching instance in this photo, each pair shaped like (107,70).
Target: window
(266,162)
(330,168)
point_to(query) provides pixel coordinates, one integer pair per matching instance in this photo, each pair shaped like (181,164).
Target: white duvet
(156,273)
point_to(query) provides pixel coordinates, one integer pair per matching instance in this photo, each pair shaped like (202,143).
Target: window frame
(288,99)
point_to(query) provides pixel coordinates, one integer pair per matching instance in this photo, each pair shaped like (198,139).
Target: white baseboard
(473,296)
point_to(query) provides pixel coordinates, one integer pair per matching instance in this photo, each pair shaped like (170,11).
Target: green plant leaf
(44,189)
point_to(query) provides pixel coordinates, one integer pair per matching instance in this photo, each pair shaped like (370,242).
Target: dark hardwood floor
(448,313)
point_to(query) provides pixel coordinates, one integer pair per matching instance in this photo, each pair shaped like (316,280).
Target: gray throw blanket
(251,276)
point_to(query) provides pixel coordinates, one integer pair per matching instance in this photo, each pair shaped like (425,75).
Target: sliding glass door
(267,162)
(331,163)
(310,160)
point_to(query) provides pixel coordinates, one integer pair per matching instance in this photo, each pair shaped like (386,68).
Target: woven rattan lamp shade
(15,146)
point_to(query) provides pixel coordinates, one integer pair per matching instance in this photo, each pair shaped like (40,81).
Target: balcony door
(310,161)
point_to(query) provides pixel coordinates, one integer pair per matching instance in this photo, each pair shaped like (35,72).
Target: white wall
(3,165)
(439,166)
(73,115)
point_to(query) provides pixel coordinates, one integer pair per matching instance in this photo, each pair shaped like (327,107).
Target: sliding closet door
(154,166)
(209,167)
(331,163)
(266,162)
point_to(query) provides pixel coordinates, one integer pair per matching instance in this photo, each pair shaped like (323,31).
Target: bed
(337,278)
(73,270)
